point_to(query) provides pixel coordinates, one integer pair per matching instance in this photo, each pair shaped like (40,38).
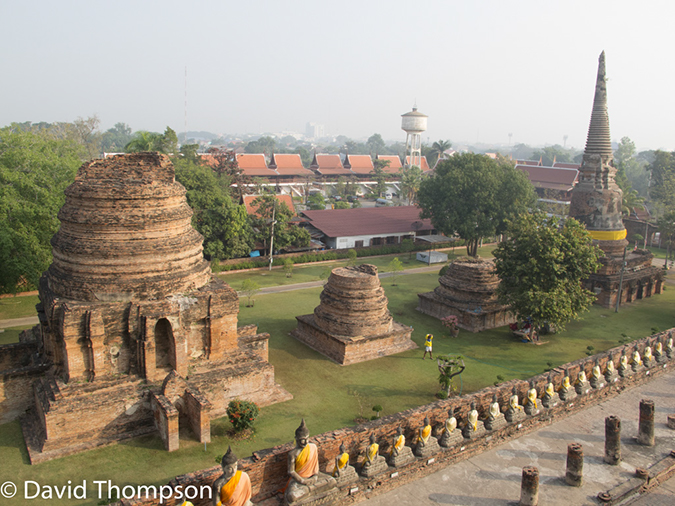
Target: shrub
(242,414)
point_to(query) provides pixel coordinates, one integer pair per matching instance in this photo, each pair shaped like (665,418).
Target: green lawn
(18,307)
(11,335)
(328,395)
(312,272)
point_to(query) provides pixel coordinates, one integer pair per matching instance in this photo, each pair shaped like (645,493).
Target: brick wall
(267,468)
(16,391)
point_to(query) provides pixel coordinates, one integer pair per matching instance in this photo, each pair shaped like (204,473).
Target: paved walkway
(493,477)
(19,322)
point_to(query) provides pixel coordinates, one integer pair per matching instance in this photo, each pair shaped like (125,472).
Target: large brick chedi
(128,303)
(352,323)
(597,203)
(467,290)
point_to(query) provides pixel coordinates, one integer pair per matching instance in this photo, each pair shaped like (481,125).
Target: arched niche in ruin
(165,346)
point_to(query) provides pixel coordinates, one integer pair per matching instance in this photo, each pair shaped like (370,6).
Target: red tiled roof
(254,165)
(424,164)
(394,163)
(550,177)
(331,165)
(565,165)
(368,221)
(361,164)
(528,162)
(251,209)
(290,165)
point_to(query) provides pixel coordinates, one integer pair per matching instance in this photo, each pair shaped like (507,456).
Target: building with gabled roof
(367,226)
(359,164)
(288,164)
(566,165)
(254,164)
(551,178)
(251,208)
(394,163)
(329,165)
(424,165)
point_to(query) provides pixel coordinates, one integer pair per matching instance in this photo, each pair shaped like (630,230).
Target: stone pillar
(612,440)
(529,487)
(575,465)
(646,425)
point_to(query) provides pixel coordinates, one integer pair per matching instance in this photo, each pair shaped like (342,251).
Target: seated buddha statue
(233,487)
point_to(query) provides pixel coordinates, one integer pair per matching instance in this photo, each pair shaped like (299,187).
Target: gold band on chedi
(608,235)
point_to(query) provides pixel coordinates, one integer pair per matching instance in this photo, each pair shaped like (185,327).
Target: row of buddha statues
(307,485)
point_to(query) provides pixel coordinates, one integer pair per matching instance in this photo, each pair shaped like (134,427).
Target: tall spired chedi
(136,335)
(597,203)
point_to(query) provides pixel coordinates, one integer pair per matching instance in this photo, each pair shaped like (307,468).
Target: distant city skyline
(480,71)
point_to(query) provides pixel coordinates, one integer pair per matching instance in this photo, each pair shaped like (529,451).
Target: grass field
(18,307)
(329,396)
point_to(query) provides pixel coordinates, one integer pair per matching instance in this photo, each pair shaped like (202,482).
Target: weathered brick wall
(16,391)
(267,468)
(16,355)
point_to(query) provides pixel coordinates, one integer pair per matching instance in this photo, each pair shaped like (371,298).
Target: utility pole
(274,210)
(623,268)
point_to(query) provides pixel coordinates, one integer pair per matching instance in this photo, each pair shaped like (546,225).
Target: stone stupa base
(405,456)
(378,466)
(347,350)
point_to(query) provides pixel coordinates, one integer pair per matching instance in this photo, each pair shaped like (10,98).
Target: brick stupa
(467,290)
(597,203)
(353,324)
(135,332)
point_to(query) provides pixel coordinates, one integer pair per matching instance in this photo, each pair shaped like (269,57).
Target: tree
(35,169)
(87,134)
(541,266)
(663,179)
(224,224)
(341,204)
(250,289)
(288,267)
(551,154)
(666,224)
(395,266)
(449,366)
(630,169)
(114,139)
(411,178)
(437,150)
(285,233)
(473,195)
(380,178)
(144,141)
(264,145)
(224,163)
(316,202)
(375,144)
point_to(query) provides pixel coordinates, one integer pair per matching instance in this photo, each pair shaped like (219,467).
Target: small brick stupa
(467,290)
(353,324)
(597,202)
(136,332)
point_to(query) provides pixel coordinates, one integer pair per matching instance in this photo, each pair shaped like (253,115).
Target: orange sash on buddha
(400,441)
(426,432)
(236,491)
(307,463)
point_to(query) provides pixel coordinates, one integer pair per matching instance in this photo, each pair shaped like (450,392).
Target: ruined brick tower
(136,331)
(597,203)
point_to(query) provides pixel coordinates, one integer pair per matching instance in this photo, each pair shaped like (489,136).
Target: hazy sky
(479,69)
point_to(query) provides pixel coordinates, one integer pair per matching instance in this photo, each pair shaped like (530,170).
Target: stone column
(575,465)
(613,440)
(646,425)
(529,487)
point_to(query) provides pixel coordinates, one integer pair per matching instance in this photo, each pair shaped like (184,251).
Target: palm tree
(437,150)
(144,141)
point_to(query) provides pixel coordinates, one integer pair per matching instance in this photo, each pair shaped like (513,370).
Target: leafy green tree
(473,195)
(288,267)
(316,202)
(411,178)
(249,289)
(379,176)
(449,366)
(341,204)
(35,169)
(285,233)
(87,134)
(395,267)
(375,144)
(541,266)
(114,139)
(556,153)
(144,141)
(630,169)
(666,224)
(351,257)
(663,179)
(224,225)
(437,150)
(266,145)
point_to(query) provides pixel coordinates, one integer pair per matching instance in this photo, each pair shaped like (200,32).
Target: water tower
(414,123)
